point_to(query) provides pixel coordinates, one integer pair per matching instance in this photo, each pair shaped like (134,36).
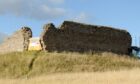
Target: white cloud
(82,17)
(36,9)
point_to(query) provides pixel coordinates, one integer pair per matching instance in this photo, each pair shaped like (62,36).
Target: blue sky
(123,14)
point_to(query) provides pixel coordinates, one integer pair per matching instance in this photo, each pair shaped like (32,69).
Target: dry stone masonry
(77,37)
(17,42)
(72,37)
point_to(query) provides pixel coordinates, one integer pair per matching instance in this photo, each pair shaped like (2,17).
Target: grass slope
(109,77)
(27,64)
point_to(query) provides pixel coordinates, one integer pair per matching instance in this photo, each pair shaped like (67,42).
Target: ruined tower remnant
(48,36)
(77,37)
(17,42)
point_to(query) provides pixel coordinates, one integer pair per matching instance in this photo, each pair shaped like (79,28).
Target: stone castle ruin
(17,42)
(72,37)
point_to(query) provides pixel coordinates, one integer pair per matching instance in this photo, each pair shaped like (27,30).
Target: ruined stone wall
(77,37)
(73,37)
(17,42)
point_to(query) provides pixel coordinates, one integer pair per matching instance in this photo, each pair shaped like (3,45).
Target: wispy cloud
(36,9)
(81,17)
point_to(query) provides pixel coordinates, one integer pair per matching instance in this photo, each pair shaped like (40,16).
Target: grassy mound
(37,63)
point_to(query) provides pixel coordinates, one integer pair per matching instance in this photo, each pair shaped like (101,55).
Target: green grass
(15,65)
